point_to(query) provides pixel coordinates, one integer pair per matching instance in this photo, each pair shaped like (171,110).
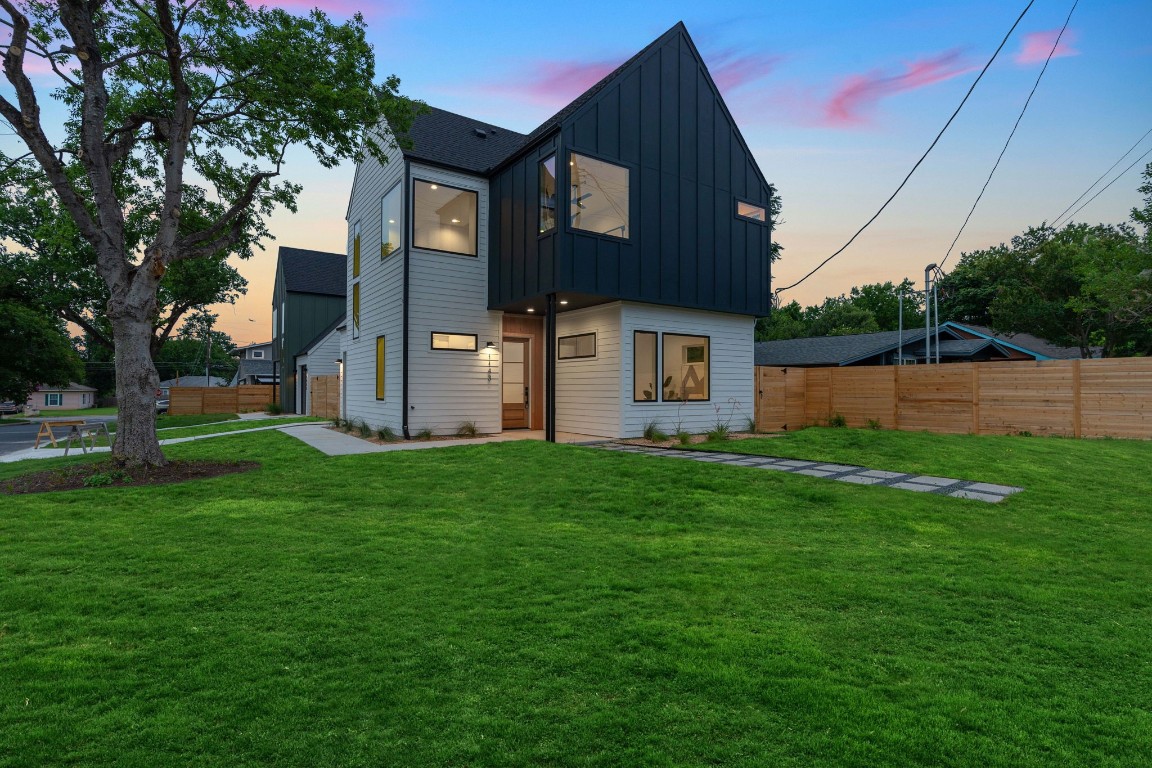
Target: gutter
(404,347)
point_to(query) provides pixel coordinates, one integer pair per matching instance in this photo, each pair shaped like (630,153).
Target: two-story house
(308,299)
(603,272)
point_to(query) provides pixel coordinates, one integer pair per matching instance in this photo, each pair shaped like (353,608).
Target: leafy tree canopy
(866,309)
(34,348)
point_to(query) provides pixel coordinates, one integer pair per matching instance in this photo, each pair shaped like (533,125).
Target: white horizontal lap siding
(732,373)
(381,301)
(321,361)
(449,294)
(588,389)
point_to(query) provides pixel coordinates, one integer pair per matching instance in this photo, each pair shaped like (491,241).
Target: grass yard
(52,413)
(531,604)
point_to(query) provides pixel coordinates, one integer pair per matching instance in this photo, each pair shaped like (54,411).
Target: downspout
(406,197)
(550,370)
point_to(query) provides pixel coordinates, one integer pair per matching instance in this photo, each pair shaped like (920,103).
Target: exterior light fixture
(563,302)
(490,345)
(433,186)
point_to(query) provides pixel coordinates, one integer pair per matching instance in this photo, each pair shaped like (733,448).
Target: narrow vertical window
(379,367)
(391,222)
(356,249)
(355,310)
(645,385)
(548,194)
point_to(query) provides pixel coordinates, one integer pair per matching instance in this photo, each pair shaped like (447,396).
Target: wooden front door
(515,377)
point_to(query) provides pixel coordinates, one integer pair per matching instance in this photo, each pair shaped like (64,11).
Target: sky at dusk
(836,99)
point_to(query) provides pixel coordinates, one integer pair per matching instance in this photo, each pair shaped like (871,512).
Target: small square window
(749,211)
(258,354)
(463,342)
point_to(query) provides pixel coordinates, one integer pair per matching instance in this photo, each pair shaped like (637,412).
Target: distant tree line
(1084,286)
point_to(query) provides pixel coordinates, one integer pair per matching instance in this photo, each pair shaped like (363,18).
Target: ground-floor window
(464,342)
(573,347)
(686,367)
(645,384)
(379,367)
(53,398)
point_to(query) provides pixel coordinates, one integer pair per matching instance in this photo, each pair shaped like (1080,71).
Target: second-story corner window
(548,194)
(444,218)
(749,211)
(356,249)
(599,196)
(391,222)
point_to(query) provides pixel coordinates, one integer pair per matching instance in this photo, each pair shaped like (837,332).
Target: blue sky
(836,99)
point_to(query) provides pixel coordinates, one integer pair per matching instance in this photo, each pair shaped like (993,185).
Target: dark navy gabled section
(660,116)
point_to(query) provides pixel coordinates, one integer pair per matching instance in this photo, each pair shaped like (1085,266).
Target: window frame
(633,171)
(356,310)
(398,186)
(432,341)
(663,362)
(356,249)
(50,396)
(476,229)
(381,368)
(736,211)
(659,371)
(576,336)
(257,354)
(540,231)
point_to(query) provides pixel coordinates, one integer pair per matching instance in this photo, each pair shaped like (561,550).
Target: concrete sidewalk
(335,443)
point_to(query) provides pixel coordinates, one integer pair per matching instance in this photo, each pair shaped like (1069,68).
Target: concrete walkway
(336,443)
(945,486)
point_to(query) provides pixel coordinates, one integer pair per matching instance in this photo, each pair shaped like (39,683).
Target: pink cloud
(1036,45)
(731,70)
(859,93)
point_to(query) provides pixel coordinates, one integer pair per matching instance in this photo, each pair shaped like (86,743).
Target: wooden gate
(325,400)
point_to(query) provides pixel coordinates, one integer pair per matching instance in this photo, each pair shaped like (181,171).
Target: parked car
(8,407)
(162,406)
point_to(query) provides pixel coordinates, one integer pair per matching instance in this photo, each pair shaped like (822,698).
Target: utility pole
(928,312)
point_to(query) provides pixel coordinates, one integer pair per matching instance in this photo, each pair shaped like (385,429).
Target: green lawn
(51,413)
(531,604)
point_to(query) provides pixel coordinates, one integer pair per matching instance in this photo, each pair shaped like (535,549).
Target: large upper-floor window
(391,221)
(548,194)
(599,201)
(686,362)
(444,218)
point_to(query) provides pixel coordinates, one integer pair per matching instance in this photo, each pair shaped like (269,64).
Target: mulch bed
(107,474)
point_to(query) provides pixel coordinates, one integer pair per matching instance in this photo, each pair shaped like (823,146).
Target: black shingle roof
(446,138)
(1032,343)
(833,350)
(313,271)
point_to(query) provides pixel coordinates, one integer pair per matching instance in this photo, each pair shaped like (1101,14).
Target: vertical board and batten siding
(1072,398)
(449,293)
(664,120)
(306,312)
(588,389)
(731,374)
(381,300)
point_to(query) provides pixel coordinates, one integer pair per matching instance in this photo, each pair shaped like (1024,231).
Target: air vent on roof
(480,133)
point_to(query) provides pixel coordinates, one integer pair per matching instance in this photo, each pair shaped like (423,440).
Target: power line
(1118,177)
(922,157)
(1020,117)
(1130,149)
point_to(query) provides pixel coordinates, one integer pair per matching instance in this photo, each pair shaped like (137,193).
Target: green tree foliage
(1143,216)
(159,92)
(34,348)
(866,309)
(196,343)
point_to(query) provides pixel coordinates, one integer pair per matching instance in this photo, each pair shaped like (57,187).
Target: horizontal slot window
(462,342)
(749,211)
(575,347)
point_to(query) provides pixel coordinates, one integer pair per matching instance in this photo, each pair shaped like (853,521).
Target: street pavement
(18,437)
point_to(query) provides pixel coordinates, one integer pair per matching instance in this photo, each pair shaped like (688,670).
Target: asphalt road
(17,437)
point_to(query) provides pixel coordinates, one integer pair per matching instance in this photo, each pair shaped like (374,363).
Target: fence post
(976,398)
(1076,406)
(896,396)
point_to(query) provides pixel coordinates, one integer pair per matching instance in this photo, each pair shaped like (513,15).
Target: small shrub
(274,409)
(424,434)
(718,433)
(97,480)
(685,438)
(467,429)
(838,420)
(875,424)
(387,434)
(750,427)
(652,432)
(1024,433)
(364,430)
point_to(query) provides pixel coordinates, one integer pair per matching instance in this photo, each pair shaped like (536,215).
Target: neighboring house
(1023,345)
(307,298)
(190,381)
(72,397)
(958,344)
(600,273)
(254,365)
(319,357)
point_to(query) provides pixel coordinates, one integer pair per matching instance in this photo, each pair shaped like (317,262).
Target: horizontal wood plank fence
(325,396)
(1074,398)
(188,401)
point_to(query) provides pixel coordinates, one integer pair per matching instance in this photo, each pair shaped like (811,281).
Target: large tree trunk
(136,381)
